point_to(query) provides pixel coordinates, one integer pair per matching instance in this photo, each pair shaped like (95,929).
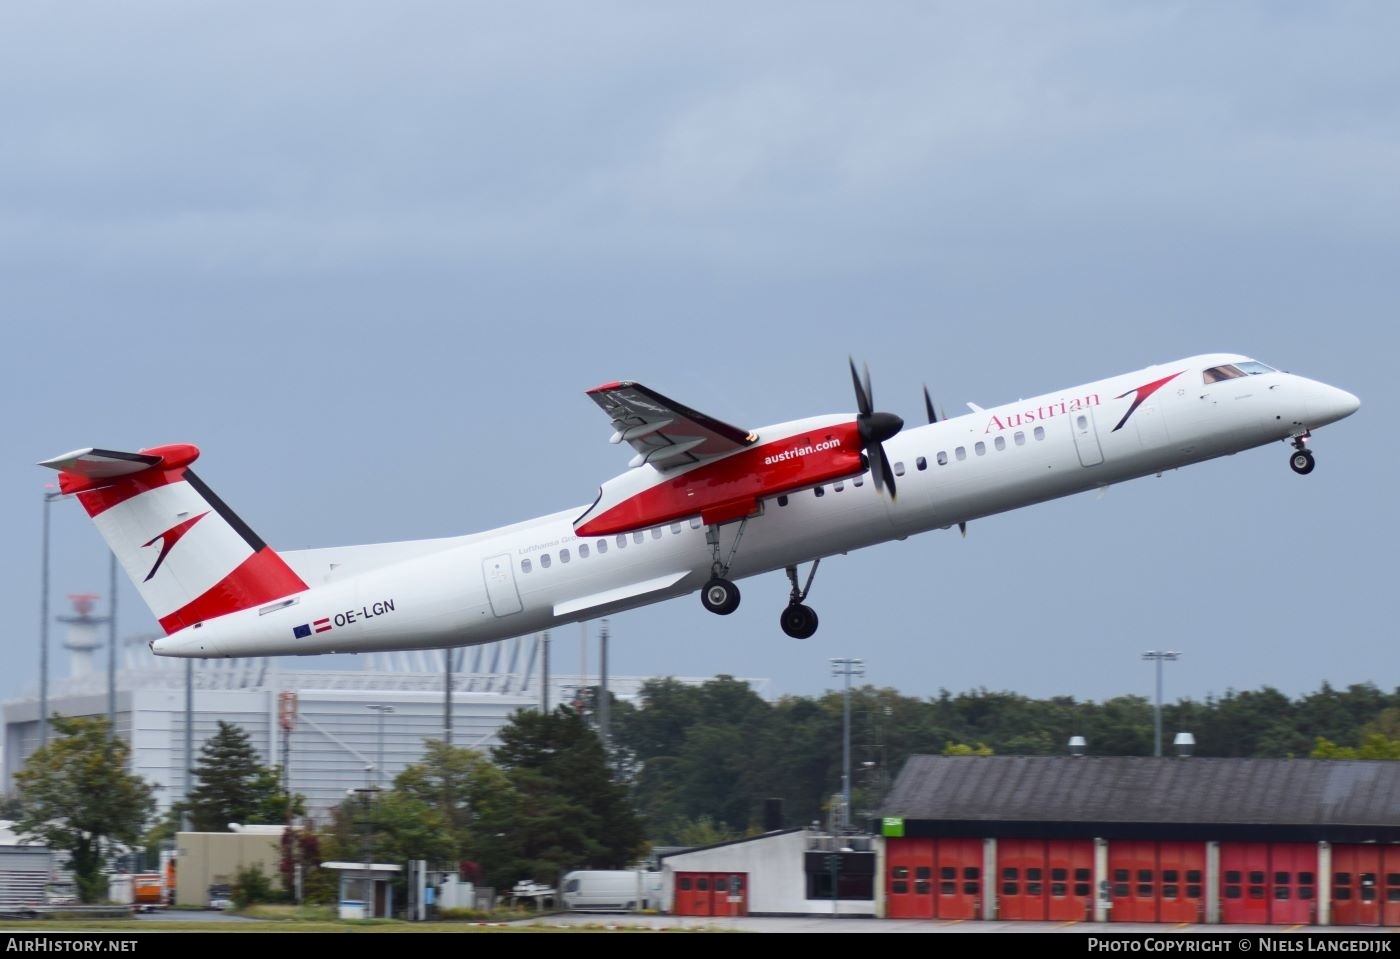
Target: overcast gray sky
(368,256)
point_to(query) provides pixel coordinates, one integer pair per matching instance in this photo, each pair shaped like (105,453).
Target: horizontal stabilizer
(101,464)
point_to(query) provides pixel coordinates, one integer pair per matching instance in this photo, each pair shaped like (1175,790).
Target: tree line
(685,765)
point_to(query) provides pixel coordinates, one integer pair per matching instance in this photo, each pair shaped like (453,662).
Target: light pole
(1159,656)
(381,709)
(847,668)
(49,497)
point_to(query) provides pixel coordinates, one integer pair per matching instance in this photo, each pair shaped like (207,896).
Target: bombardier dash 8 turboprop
(704,503)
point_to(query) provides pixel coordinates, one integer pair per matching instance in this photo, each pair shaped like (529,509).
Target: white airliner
(703,504)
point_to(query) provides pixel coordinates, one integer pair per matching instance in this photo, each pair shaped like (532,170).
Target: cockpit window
(1231,371)
(1217,373)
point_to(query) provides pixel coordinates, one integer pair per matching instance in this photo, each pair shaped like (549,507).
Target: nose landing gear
(1301,460)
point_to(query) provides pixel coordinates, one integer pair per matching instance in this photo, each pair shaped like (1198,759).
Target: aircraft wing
(665,434)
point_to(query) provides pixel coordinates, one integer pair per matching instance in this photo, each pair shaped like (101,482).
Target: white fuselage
(539,574)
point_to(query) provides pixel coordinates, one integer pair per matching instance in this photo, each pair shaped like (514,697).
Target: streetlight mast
(1159,656)
(846,668)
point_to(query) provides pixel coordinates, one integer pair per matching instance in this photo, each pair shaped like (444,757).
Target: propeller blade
(962,528)
(884,472)
(928,406)
(862,395)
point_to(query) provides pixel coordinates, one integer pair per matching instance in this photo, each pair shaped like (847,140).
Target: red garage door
(933,878)
(1132,874)
(1181,869)
(711,894)
(1390,871)
(908,879)
(1268,882)
(1044,879)
(958,892)
(1356,890)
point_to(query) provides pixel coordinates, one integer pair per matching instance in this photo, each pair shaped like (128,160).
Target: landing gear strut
(1301,460)
(798,620)
(719,595)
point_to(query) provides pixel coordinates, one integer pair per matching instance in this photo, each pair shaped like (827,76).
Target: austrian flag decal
(306,629)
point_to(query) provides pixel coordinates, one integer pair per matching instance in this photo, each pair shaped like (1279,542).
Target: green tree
(1373,746)
(562,810)
(77,796)
(232,786)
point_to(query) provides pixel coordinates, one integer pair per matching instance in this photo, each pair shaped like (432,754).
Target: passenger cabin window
(602,546)
(695,522)
(942,457)
(563,556)
(981,448)
(921,464)
(858,481)
(899,469)
(656,532)
(621,540)
(638,536)
(999,443)
(838,486)
(1020,438)
(782,500)
(675,529)
(960,453)
(544,561)
(582,550)
(819,491)
(525,566)
(1040,432)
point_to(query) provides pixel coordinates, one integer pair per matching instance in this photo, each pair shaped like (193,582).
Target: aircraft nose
(1330,404)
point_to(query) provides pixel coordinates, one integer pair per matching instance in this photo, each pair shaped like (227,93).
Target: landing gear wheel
(720,596)
(1302,462)
(799,621)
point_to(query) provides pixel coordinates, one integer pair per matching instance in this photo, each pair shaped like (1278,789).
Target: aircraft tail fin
(190,556)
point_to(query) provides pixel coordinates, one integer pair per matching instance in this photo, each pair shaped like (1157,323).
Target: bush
(252,885)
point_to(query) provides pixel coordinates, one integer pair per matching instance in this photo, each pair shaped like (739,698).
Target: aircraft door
(1086,438)
(500,584)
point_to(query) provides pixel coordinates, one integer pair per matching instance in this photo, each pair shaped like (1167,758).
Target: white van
(611,890)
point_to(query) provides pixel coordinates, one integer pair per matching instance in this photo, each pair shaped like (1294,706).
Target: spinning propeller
(874,428)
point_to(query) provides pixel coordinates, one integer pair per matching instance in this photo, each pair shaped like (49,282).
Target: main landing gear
(720,596)
(1301,460)
(799,621)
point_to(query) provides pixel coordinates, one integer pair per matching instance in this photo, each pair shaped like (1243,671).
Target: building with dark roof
(1123,838)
